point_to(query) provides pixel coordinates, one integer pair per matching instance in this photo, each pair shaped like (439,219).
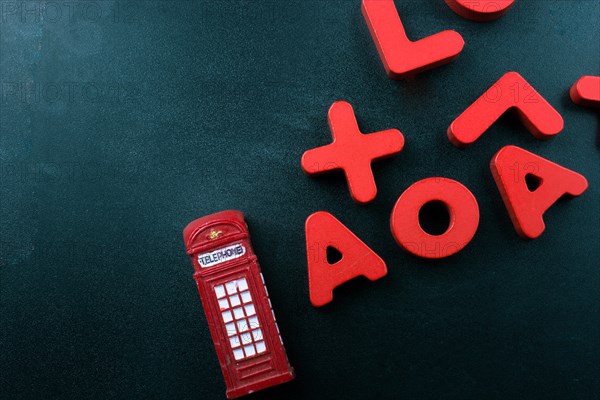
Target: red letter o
(464,218)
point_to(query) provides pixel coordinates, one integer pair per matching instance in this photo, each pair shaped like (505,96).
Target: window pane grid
(239,316)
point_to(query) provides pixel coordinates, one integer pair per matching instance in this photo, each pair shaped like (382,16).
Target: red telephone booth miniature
(236,302)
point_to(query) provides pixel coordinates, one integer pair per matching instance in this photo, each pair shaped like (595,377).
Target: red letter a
(516,171)
(323,230)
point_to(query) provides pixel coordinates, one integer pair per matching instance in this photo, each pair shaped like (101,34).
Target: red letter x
(352,152)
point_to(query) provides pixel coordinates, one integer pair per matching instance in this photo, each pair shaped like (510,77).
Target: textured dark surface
(149,114)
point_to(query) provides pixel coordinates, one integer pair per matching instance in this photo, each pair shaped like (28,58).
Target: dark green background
(152,113)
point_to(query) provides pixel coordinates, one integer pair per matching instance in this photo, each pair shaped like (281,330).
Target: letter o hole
(462,209)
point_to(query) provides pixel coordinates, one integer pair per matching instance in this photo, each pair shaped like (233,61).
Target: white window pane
(223,304)
(253,322)
(238,354)
(242,284)
(243,325)
(246,338)
(246,298)
(238,313)
(230,328)
(260,347)
(257,334)
(234,342)
(250,309)
(219,291)
(231,287)
(249,350)
(227,317)
(234,300)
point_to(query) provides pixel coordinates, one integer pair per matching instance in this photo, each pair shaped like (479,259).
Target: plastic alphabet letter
(480,10)
(511,168)
(511,91)
(586,91)
(352,152)
(323,230)
(401,57)
(464,218)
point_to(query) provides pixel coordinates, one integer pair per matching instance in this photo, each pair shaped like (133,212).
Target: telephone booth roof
(214,230)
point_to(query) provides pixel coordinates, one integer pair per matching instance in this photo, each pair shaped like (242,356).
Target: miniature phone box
(236,303)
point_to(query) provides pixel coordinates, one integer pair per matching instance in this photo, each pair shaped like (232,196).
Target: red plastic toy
(480,10)
(401,57)
(236,302)
(323,230)
(352,152)
(464,218)
(511,91)
(512,168)
(586,91)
